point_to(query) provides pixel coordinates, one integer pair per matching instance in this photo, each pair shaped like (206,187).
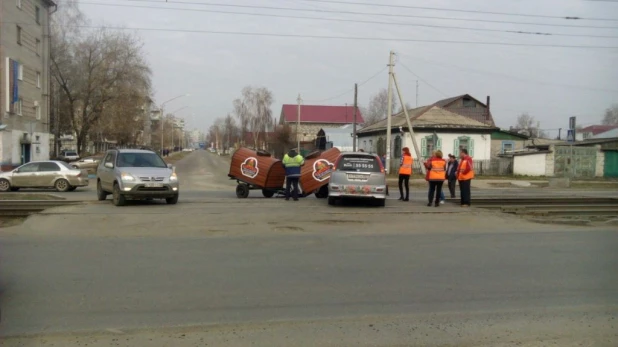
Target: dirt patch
(29,196)
(6,222)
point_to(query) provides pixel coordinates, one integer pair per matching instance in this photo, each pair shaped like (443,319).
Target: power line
(463,11)
(354,13)
(350,90)
(420,78)
(333,37)
(355,21)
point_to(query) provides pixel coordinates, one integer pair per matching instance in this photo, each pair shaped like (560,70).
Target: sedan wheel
(5,186)
(62,185)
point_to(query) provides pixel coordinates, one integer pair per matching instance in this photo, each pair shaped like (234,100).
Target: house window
(464,142)
(18,107)
(428,146)
(38,47)
(507,146)
(468,102)
(38,79)
(37,14)
(18,35)
(397,147)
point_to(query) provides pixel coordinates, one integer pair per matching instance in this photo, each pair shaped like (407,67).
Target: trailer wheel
(242,191)
(268,193)
(322,193)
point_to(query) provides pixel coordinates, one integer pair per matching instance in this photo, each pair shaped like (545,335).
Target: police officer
(292,163)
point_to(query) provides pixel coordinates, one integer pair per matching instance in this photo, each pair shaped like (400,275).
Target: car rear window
(359,163)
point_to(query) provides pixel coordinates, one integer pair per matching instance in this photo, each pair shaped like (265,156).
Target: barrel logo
(322,169)
(249,167)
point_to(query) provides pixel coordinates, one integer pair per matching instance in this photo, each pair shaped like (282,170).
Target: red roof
(321,114)
(597,129)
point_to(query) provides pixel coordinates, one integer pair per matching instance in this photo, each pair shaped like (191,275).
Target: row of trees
(101,80)
(252,120)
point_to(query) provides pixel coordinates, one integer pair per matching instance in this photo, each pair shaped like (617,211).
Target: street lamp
(163,114)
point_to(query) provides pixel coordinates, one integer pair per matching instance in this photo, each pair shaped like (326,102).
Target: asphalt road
(267,272)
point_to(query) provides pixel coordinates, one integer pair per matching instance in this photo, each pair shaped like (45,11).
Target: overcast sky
(550,83)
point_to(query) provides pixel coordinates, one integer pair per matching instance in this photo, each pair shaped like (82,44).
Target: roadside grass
(28,196)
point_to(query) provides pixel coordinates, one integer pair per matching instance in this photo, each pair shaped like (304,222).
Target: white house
(453,131)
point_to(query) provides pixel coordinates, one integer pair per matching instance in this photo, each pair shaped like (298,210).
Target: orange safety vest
(463,165)
(406,167)
(438,170)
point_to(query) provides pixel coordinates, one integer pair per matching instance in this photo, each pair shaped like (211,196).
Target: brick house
(315,117)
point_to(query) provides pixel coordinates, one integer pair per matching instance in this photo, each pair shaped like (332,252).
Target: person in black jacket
(451,174)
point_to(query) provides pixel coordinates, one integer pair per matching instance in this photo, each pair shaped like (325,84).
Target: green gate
(575,161)
(611,164)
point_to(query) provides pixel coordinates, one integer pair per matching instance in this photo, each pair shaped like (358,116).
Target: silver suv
(358,176)
(136,174)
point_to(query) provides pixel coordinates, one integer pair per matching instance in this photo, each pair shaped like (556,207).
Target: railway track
(570,207)
(24,208)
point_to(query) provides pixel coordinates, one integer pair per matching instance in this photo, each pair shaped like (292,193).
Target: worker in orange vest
(465,174)
(405,171)
(436,175)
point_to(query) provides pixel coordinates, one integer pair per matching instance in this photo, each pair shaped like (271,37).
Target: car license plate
(357,177)
(154,185)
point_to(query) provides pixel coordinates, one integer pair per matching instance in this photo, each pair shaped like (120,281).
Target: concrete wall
(34,57)
(600,167)
(530,164)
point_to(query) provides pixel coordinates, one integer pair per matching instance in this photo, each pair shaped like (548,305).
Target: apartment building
(24,81)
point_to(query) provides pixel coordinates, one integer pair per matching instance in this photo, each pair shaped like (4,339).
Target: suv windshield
(140,160)
(359,163)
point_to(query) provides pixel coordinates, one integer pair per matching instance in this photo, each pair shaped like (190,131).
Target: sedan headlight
(173,177)
(126,177)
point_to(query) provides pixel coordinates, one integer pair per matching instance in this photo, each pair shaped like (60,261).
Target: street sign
(571,135)
(572,123)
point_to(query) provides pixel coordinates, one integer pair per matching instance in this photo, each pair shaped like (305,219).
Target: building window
(38,79)
(464,142)
(18,35)
(20,72)
(507,146)
(18,3)
(468,102)
(37,110)
(38,47)
(37,14)
(428,146)
(19,106)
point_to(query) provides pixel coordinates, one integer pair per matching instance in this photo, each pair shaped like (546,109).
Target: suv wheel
(172,201)
(62,185)
(118,199)
(101,194)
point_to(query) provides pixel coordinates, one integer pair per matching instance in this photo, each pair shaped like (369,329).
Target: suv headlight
(126,177)
(173,177)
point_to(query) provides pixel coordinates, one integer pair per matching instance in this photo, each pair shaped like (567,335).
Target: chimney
(488,110)
(488,102)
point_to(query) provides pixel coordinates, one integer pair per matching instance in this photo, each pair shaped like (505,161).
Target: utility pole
(298,124)
(389,111)
(416,93)
(410,129)
(355,111)
(162,121)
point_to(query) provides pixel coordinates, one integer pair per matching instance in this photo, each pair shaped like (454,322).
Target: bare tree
(93,70)
(611,115)
(378,107)
(230,130)
(526,122)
